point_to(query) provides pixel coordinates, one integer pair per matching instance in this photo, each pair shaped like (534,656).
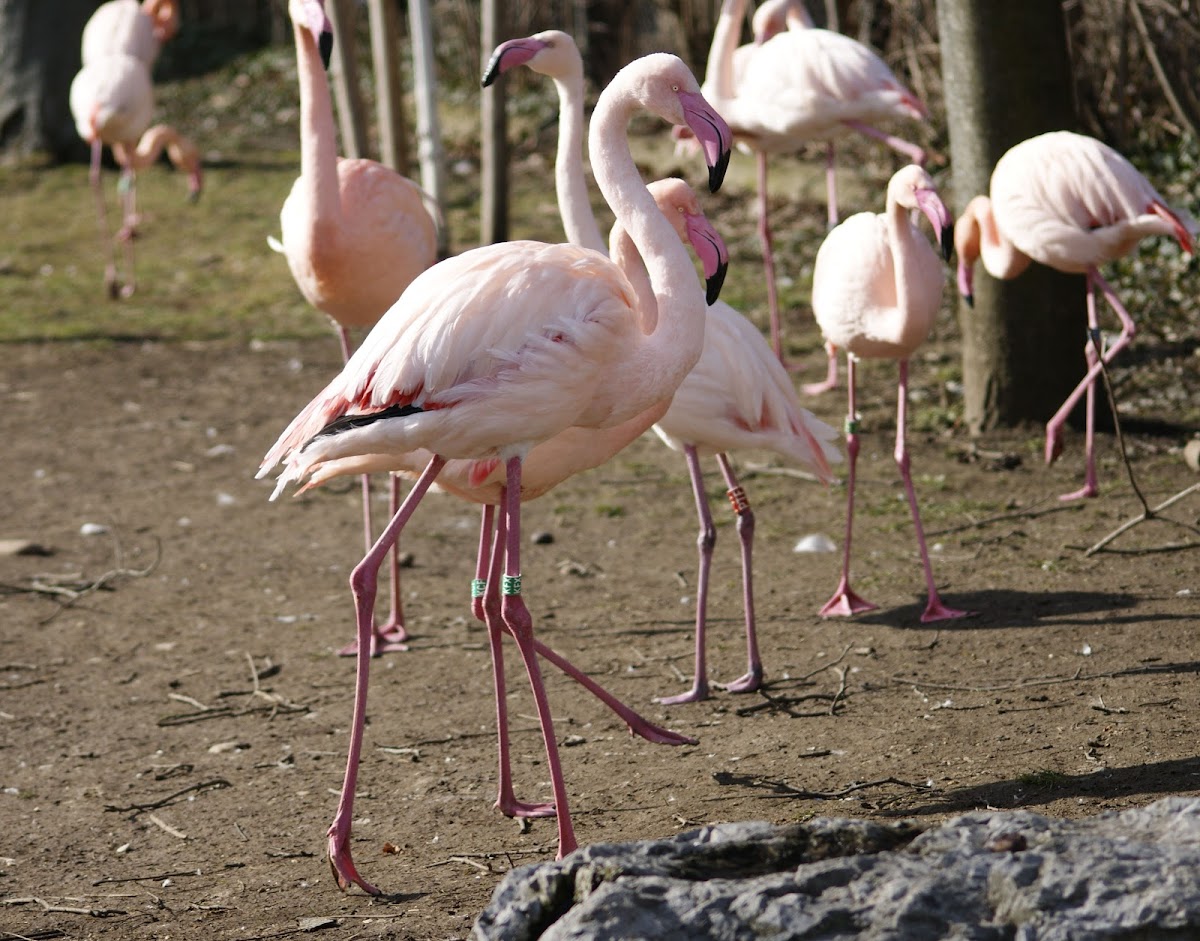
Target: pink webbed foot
(698,693)
(382,641)
(512,807)
(1087,490)
(342,864)
(846,603)
(936,611)
(747,683)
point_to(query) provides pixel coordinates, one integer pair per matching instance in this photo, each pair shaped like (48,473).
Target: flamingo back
(112,98)
(355,267)
(806,82)
(119,27)
(739,396)
(502,344)
(1072,202)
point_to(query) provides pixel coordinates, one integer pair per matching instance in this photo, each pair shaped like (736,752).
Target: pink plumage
(129,27)
(462,346)
(877,286)
(1073,203)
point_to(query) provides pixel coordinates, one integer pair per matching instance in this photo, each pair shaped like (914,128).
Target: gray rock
(1133,874)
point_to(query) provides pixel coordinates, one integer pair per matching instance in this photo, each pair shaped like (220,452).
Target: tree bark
(1007,77)
(39,55)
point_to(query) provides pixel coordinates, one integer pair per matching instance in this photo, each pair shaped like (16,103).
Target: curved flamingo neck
(579,221)
(1001,258)
(624,255)
(658,361)
(718,72)
(318,143)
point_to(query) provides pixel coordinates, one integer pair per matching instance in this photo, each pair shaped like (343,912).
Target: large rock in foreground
(1014,875)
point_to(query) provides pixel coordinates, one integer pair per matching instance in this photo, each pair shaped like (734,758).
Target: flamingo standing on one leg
(877,286)
(502,347)
(112,101)
(1072,203)
(131,27)
(799,86)
(355,234)
(737,394)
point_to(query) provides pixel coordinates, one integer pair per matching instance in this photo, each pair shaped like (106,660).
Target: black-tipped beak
(325,45)
(947,242)
(712,286)
(970,299)
(716,174)
(492,70)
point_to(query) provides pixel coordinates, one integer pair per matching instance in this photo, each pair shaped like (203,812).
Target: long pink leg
(128,232)
(1089,488)
(764,235)
(704,542)
(1128,330)
(111,282)
(934,610)
(363,583)
(845,600)
(831,363)
(518,621)
(485,603)
(390,637)
(909,149)
(752,679)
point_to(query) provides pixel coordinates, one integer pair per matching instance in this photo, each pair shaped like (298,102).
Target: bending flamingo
(112,101)
(737,394)
(1072,203)
(877,286)
(130,27)
(799,86)
(488,353)
(355,234)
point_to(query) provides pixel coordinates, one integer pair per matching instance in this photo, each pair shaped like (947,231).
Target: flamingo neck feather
(579,221)
(318,140)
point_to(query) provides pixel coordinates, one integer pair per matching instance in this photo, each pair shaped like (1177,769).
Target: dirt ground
(172,741)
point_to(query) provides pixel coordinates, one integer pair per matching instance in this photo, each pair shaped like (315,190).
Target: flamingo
(801,85)
(493,351)
(112,102)
(355,235)
(1073,203)
(877,285)
(131,27)
(737,394)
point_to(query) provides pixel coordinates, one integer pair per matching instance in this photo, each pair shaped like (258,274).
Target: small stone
(542,538)
(23,547)
(92,529)
(815,542)
(1191,454)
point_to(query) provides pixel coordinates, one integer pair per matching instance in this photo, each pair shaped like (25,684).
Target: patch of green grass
(1043,778)
(609,510)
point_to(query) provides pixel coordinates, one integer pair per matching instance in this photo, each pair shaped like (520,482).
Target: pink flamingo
(355,235)
(134,28)
(877,286)
(737,394)
(549,463)
(488,353)
(1072,203)
(802,85)
(112,101)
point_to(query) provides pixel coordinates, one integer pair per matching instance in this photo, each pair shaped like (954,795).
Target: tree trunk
(494,134)
(1007,77)
(39,55)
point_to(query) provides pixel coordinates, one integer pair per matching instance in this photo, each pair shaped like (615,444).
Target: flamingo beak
(318,24)
(966,282)
(508,55)
(711,250)
(713,134)
(939,217)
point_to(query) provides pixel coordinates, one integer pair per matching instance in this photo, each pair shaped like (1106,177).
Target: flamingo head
(165,15)
(679,204)
(551,53)
(967,237)
(912,188)
(774,16)
(311,15)
(666,87)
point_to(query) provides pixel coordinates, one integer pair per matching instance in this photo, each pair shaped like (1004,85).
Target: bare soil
(173,719)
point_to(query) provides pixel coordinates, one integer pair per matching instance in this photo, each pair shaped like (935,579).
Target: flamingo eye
(675,88)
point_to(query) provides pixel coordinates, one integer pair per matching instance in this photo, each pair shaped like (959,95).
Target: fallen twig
(783,789)
(64,909)
(214,785)
(1077,677)
(1030,512)
(1149,513)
